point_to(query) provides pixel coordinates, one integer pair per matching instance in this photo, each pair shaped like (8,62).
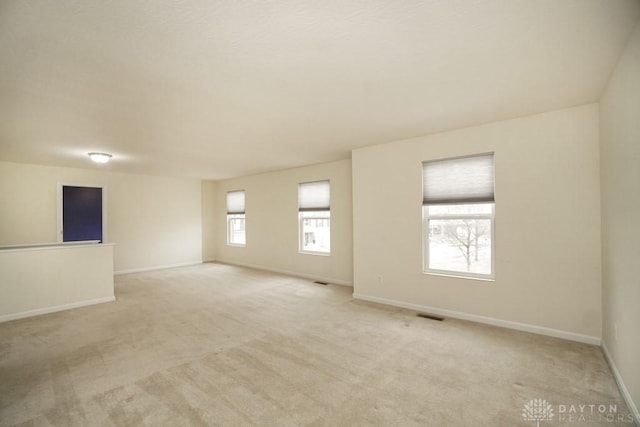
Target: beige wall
(65,277)
(154,221)
(208,196)
(620,181)
(272,222)
(547,222)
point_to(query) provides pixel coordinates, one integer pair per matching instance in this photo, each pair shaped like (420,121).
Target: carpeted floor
(222,345)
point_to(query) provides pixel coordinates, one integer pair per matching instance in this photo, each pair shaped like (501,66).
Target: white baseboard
(47,310)
(541,330)
(623,388)
(156,267)
(290,273)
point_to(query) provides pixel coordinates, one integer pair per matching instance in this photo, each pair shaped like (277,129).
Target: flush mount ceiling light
(100,157)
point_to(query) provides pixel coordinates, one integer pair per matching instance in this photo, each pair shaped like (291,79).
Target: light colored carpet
(222,345)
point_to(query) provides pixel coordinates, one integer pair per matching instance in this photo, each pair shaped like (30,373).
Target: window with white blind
(314,217)
(236,232)
(458,211)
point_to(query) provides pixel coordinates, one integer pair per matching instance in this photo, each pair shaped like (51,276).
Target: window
(458,212)
(236,234)
(314,217)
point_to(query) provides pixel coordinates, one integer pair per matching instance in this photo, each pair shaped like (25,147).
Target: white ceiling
(215,89)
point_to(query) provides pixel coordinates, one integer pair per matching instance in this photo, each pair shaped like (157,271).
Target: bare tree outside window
(459,238)
(465,235)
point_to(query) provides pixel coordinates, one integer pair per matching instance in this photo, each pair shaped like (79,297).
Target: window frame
(302,215)
(236,209)
(426,217)
(230,219)
(316,204)
(458,181)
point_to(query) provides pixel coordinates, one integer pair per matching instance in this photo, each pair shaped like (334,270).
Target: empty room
(320,213)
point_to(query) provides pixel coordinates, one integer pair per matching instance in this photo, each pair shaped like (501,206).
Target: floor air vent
(430,317)
(317,282)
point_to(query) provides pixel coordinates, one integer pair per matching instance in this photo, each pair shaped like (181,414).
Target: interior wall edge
(329,280)
(620,382)
(157,267)
(47,310)
(524,327)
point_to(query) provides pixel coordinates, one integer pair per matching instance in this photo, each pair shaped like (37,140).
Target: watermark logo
(537,410)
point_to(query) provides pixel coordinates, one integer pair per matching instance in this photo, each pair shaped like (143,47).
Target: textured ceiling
(215,89)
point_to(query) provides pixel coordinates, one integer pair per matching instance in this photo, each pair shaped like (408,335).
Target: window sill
(460,276)
(314,253)
(237,245)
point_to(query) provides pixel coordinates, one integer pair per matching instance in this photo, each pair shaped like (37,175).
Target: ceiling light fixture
(100,157)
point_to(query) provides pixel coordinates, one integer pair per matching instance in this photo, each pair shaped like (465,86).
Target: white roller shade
(314,196)
(459,180)
(235,202)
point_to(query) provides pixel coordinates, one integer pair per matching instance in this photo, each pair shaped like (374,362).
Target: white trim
(59,207)
(289,273)
(55,308)
(156,267)
(314,253)
(623,388)
(446,273)
(541,330)
(45,246)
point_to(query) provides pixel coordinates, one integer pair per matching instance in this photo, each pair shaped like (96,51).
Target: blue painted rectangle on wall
(81,213)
